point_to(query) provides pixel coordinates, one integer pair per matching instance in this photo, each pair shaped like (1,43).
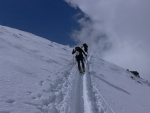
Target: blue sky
(51,19)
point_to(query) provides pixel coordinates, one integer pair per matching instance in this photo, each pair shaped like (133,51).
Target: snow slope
(40,76)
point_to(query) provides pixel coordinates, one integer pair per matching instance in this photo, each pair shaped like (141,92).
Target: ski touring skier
(85,46)
(79,58)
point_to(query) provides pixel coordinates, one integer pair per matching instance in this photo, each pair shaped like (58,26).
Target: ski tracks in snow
(72,93)
(99,104)
(94,102)
(83,96)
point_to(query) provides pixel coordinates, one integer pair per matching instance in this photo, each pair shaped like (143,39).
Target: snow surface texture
(40,76)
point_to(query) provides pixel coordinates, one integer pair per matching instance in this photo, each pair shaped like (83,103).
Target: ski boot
(83,69)
(80,70)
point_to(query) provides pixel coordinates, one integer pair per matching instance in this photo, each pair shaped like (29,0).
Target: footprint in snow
(10,101)
(29,92)
(41,82)
(39,95)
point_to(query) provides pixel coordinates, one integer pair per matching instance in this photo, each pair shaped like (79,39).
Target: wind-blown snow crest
(40,76)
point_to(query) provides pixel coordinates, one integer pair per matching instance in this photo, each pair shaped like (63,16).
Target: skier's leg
(79,67)
(83,67)
(84,59)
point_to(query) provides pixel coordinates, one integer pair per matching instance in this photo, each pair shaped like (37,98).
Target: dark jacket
(79,52)
(85,47)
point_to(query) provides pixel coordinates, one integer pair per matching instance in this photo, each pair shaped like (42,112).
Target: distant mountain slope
(119,91)
(40,76)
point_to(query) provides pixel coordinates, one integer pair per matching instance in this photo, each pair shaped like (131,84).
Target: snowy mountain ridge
(40,76)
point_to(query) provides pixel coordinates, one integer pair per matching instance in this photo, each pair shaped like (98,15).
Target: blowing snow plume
(119,29)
